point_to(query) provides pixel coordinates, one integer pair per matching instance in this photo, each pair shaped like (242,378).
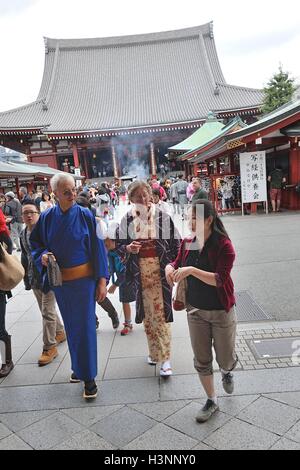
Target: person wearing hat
(13,209)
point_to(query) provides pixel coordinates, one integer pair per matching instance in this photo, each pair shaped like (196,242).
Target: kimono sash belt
(77,272)
(148,249)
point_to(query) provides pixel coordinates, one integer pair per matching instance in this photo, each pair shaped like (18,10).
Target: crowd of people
(143,257)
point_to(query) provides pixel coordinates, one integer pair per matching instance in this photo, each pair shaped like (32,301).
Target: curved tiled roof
(130,81)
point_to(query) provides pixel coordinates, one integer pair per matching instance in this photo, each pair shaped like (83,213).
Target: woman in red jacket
(206,261)
(5,338)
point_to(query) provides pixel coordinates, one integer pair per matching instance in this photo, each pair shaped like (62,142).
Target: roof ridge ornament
(211,30)
(211,116)
(217,90)
(46,45)
(44,105)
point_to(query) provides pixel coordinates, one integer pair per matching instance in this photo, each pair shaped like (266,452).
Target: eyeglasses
(28,213)
(69,192)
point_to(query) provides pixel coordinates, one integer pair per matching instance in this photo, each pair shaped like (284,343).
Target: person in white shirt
(162,205)
(46,202)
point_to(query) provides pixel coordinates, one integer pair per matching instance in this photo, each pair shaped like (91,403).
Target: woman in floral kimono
(146,241)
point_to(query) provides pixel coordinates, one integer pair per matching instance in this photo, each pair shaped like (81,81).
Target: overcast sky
(252,37)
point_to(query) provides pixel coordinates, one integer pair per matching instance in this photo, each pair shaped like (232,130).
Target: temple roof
(16,169)
(210,128)
(130,82)
(285,119)
(212,140)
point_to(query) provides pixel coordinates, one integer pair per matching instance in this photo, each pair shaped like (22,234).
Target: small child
(126,290)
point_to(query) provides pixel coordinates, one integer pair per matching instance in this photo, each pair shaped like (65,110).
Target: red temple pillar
(294,173)
(85,162)
(75,156)
(231,164)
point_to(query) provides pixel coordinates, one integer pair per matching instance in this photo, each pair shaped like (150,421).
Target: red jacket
(221,258)
(3,226)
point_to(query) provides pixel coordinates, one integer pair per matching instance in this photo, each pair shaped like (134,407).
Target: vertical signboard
(253,177)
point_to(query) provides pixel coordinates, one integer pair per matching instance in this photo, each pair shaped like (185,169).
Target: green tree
(278,91)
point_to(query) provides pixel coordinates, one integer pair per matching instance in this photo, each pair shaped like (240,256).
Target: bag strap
(2,252)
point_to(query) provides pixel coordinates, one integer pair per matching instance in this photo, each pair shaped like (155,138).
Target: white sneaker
(150,361)
(166,369)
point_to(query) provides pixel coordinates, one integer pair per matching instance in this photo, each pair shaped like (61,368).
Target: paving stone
(116,428)
(162,437)
(291,399)
(90,416)
(13,442)
(182,387)
(286,444)
(294,433)
(202,446)
(64,396)
(50,431)
(271,415)
(20,303)
(85,440)
(233,405)
(4,431)
(33,353)
(238,435)
(30,374)
(160,410)
(184,421)
(128,367)
(18,421)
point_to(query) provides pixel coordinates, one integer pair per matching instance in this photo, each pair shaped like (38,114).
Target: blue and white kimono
(71,237)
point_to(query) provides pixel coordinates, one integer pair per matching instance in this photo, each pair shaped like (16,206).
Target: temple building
(108,107)
(216,153)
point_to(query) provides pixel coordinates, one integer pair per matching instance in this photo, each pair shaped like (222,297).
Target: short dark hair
(83,201)
(31,203)
(156,192)
(209,210)
(45,193)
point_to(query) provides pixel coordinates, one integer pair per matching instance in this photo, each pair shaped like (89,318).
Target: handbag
(53,272)
(11,270)
(179,297)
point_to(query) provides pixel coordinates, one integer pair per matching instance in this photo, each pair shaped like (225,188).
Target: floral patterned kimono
(160,241)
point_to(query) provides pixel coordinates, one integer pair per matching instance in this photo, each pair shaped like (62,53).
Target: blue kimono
(71,237)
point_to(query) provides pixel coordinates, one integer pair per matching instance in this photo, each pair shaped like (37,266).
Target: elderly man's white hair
(60,178)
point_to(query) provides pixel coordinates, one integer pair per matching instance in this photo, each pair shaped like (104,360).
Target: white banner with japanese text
(253,177)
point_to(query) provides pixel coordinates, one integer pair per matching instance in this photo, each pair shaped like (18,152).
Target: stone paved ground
(136,409)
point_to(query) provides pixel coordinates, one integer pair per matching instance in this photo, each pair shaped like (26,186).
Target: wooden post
(17,187)
(294,173)
(231,164)
(86,166)
(152,159)
(114,161)
(75,156)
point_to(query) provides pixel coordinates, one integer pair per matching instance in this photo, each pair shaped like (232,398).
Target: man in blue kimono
(68,232)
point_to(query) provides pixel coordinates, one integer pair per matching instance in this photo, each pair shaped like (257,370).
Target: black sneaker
(228,383)
(90,390)
(207,411)
(115,320)
(74,379)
